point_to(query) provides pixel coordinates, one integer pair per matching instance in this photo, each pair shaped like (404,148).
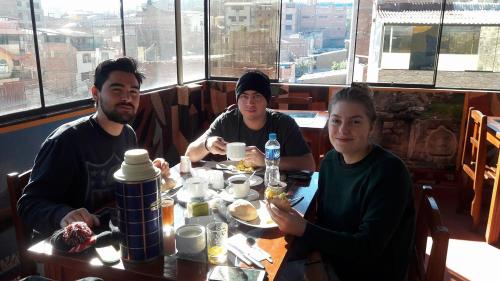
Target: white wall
(447,62)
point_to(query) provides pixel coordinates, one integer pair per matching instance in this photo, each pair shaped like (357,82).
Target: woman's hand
(161,164)
(254,157)
(289,222)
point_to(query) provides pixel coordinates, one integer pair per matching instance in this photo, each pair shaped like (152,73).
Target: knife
(238,253)
(254,261)
(268,256)
(246,256)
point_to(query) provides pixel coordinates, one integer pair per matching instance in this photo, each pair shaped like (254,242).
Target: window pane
(150,37)
(399,45)
(315,41)
(469,56)
(73,37)
(18,74)
(193,40)
(243,35)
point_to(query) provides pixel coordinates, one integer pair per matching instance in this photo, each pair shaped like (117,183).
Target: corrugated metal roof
(430,13)
(434,17)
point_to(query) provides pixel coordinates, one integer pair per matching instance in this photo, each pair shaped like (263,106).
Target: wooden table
(312,124)
(493,226)
(71,267)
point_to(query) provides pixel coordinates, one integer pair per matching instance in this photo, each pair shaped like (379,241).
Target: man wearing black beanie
(251,122)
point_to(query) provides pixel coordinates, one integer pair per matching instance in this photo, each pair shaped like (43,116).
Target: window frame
(46,111)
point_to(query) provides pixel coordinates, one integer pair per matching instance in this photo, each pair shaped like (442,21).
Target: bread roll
(243,210)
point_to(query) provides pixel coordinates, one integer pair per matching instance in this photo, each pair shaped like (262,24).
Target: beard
(113,115)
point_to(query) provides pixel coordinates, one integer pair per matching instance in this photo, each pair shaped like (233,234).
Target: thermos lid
(136,167)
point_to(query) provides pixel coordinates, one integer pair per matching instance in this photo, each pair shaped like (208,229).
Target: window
(250,45)
(401,49)
(86,58)
(243,18)
(405,39)
(289,16)
(150,37)
(315,51)
(18,73)
(63,41)
(193,40)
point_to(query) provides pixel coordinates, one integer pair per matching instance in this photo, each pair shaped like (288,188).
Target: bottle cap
(272,136)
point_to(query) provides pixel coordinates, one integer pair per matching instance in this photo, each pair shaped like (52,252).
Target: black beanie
(256,81)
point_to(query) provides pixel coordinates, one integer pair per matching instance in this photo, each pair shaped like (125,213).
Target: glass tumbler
(216,242)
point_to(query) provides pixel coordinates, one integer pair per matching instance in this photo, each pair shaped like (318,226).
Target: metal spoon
(249,177)
(251,242)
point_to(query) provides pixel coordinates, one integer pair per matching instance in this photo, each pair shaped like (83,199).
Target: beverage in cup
(167,211)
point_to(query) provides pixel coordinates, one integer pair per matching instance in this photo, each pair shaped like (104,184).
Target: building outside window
(315,42)
(400,45)
(251,44)
(150,37)
(19,89)
(396,41)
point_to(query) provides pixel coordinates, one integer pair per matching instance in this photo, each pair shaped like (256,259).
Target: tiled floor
(469,256)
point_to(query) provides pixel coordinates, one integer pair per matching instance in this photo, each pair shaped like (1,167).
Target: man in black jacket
(72,176)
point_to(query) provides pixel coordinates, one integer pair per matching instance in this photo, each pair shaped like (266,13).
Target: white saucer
(185,197)
(252,195)
(256,180)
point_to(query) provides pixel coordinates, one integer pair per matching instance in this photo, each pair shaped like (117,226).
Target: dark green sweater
(366,217)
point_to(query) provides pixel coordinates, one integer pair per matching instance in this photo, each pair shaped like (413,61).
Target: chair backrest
(428,221)
(16,183)
(295,102)
(474,149)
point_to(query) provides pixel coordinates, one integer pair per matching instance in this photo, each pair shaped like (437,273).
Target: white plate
(231,167)
(226,196)
(263,220)
(185,197)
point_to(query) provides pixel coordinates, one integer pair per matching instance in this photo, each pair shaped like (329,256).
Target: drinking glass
(167,211)
(216,242)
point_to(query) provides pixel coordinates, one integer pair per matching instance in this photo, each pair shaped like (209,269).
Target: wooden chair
(428,221)
(294,102)
(474,160)
(15,183)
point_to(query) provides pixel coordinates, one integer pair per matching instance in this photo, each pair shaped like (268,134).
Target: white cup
(235,151)
(197,187)
(190,239)
(185,165)
(239,186)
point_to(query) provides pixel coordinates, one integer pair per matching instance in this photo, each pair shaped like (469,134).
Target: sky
(61,6)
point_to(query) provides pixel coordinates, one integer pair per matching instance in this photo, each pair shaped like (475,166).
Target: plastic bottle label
(272,153)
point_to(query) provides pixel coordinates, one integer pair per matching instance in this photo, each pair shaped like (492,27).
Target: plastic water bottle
(272,175)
